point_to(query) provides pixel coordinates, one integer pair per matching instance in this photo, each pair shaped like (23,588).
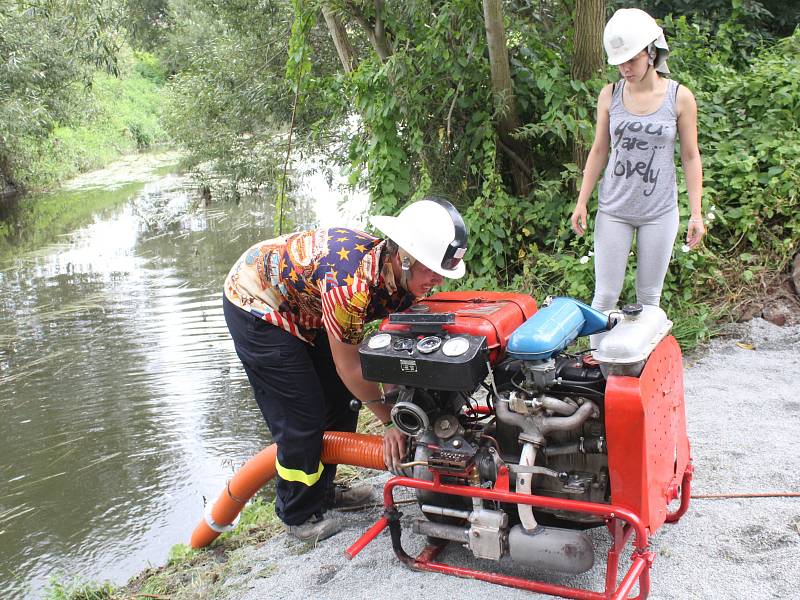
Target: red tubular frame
(621,523)
(686,494)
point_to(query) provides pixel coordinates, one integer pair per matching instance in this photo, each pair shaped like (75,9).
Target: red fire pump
(517,447)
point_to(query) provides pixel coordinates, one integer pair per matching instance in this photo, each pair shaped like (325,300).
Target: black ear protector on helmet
(458,247)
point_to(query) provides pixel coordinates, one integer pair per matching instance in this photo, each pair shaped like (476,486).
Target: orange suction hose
(338,448)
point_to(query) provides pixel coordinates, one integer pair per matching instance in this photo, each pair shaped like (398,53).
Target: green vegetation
(121,116)
(80,591)
(73,95)
(49,51)
(425,115)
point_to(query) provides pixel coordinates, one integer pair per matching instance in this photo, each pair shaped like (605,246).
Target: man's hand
(394,449)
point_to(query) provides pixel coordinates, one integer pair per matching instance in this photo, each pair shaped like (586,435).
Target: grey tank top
(639,180)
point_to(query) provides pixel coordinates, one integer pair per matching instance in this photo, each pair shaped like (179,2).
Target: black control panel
(433,361)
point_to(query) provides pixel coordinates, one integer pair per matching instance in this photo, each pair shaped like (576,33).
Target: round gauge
(402,343)
(455,346)
(381,340)
(429,344)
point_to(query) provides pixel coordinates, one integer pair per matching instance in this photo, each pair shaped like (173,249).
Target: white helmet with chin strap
(431,231)
(631,30)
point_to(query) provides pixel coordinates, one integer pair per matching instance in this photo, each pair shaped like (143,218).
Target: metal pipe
(584,446)
(365,539)
(443,511)
(535,427)
(442,531)
(558,406)
(521,470)
(524,486)
(506,415)
(577,419)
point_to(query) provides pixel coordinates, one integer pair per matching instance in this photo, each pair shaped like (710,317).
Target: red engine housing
(648,448)
(494,315)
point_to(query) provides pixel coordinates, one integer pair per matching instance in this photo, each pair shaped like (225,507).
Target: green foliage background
(427,123)
(73,94)
(424,119)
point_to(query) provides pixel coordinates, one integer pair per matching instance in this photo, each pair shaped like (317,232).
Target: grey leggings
(612,243)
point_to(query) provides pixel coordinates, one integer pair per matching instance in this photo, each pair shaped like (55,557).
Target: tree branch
(376,39)
(515,158)
(340,39)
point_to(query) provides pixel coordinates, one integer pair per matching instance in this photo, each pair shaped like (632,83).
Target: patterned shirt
(332,278)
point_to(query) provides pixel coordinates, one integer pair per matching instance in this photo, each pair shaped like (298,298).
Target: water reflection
(122,402)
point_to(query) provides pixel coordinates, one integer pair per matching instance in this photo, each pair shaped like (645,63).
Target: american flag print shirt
(336,279)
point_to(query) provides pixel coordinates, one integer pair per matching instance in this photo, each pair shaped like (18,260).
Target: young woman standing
(638,120)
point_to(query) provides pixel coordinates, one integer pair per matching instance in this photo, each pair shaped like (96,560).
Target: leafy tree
(48,52)
(232,95)
(148,22)
(403,95)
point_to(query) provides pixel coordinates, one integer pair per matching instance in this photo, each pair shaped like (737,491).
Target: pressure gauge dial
(429,344)
(403,344)
(381,340)
(455,346)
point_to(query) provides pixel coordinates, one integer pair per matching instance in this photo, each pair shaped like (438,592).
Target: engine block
(491,400)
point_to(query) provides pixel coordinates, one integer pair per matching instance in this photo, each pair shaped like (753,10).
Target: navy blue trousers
(301,396)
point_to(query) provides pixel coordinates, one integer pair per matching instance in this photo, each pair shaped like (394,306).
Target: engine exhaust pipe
(553,548)
(454,533)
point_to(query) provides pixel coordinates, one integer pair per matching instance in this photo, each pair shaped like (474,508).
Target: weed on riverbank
(121,115)
(188,573)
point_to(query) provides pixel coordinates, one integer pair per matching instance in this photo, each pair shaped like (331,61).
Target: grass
(121,116)
(80,591)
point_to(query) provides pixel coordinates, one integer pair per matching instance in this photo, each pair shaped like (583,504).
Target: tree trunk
(502,86)
(340,39)
(587,60)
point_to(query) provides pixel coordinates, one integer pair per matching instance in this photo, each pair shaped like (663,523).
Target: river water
(122,402)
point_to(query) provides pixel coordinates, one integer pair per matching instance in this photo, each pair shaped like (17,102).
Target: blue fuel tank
(553,328)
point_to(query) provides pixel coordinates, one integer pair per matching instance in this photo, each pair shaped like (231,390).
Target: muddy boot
(315,529)
(343,496)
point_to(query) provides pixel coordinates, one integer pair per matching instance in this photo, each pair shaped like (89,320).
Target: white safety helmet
(431,231)
(631,30)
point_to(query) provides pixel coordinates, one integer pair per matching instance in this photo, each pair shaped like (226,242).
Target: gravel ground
(743,413)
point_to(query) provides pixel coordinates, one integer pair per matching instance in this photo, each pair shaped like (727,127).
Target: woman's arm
(692,164)
(595,162)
